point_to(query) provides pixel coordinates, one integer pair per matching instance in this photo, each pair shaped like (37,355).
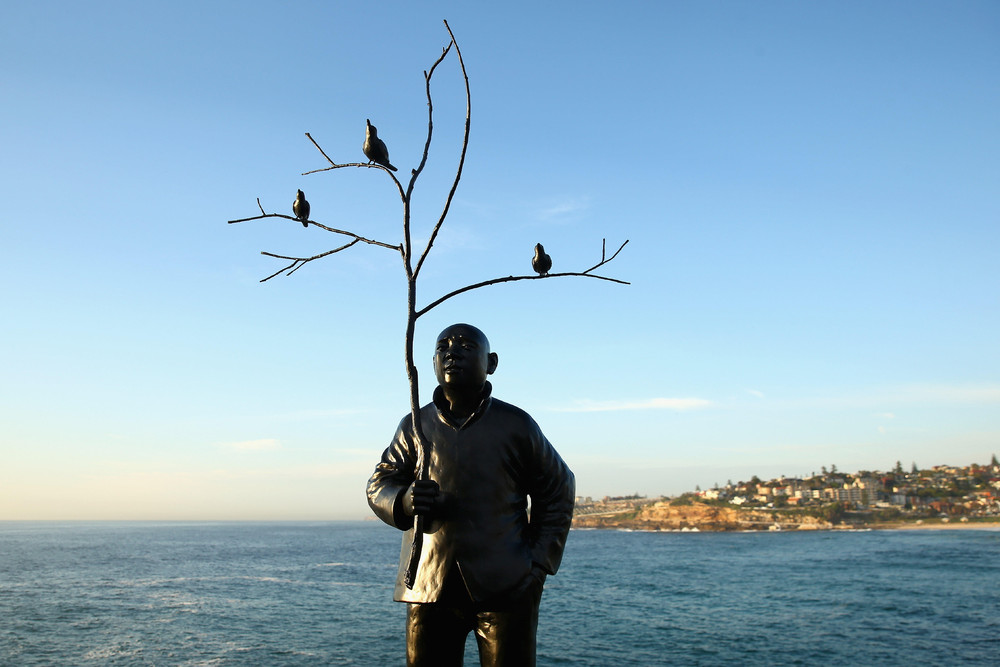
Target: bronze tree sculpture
(375,150)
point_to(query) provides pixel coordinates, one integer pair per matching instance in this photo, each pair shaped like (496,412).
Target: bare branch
(465,148)
(334,230)
(510,279)
(264,280)
(320,150)
(367,165)
(363,165)
(299,262)
(605,261)
(414,174)
(430,117)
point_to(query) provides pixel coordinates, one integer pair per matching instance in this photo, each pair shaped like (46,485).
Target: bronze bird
(300,207)
(374,147)
(541,262)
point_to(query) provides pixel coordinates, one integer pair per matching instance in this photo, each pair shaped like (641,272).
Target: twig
(605,261)
(333,230)
(465,148)
(364,165)
(407,242)
(320,150)
(299,262)
(510,279)
(430,116)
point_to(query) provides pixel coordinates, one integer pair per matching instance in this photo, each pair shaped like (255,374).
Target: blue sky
(809,191)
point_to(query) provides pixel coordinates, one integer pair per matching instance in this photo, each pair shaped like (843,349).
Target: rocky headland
(663,515)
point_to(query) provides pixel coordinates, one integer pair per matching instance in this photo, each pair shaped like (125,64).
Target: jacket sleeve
(553,492)
(393,475)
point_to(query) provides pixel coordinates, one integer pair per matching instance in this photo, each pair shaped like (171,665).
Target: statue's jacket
(487,468)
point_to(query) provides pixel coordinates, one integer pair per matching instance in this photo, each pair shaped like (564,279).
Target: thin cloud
(564,209)
(676,404)
(938,393)
(305,415)
(879,398)
(754,392)
(323,413)
(264,444)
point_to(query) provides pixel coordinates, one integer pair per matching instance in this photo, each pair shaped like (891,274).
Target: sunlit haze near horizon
(809,191)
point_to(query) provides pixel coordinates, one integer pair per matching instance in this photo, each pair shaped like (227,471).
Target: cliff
(664,516)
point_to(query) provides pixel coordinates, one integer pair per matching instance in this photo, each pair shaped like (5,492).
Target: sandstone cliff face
(664,516)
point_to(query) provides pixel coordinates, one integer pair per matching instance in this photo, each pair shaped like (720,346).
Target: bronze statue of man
(485,556)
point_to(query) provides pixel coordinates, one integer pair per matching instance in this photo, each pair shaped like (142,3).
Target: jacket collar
(444,411)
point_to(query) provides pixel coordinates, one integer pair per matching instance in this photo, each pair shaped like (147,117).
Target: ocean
(110,593)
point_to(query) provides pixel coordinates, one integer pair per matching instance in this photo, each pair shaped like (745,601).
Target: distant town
(831,499)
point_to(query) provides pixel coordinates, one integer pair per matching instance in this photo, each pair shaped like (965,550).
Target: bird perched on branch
(300,207)
(541,262)
(374,147)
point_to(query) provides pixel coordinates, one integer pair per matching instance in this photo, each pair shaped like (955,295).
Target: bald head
(465,331)
(462,359)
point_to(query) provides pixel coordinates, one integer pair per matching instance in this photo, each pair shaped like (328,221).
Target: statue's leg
(506,636)
(436,634)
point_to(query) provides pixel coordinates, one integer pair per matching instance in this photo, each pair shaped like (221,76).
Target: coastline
(698,517)
(899,526)
(937,525)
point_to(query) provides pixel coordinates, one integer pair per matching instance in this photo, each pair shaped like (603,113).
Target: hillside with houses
(831,499)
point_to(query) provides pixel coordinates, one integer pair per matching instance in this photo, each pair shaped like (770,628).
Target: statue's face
(462,358)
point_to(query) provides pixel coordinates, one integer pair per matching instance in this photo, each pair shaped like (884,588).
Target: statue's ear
(493,361)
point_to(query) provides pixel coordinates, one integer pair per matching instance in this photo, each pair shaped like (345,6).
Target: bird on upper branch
(300,207)
(541,262)
(374,147)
